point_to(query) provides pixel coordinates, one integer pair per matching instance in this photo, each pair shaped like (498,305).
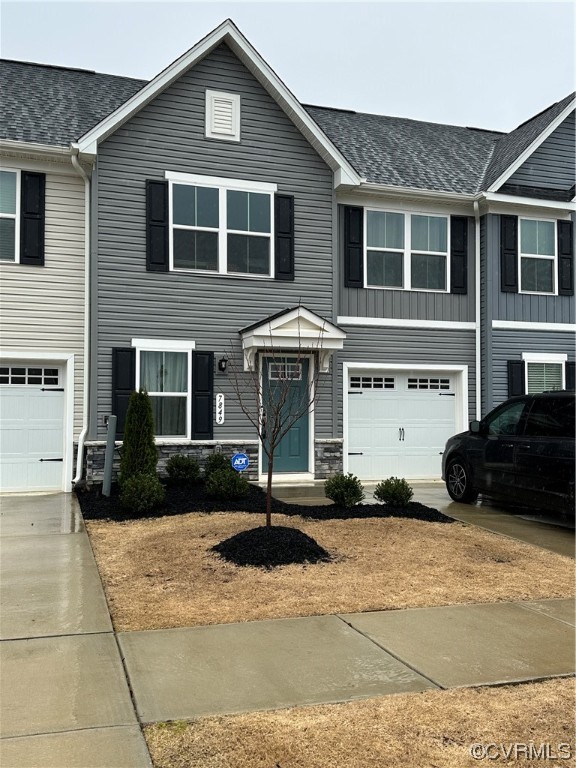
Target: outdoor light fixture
(222,363)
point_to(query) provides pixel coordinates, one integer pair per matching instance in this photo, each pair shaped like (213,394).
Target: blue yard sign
(240,462)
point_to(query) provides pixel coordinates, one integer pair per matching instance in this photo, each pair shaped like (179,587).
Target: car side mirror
(475,427)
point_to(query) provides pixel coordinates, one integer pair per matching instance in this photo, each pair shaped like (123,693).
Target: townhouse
(424,271)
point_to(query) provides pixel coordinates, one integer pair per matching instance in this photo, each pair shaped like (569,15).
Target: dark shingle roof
(409,153)
(53,105)
(510,147)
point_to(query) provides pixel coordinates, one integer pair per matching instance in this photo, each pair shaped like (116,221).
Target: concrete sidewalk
(69,683)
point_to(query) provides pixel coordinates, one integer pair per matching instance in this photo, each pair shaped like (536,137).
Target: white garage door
(31,428)
(398,423)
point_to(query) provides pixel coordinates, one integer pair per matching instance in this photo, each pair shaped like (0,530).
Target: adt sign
(240,462)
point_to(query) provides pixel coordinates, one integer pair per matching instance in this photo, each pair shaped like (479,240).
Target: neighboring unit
(416,272)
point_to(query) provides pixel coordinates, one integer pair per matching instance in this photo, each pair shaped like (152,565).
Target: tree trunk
(269,492)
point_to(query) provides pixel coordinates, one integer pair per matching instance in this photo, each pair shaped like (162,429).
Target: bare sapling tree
(275,392)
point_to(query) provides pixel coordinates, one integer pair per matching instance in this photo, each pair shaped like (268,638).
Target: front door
(286,380)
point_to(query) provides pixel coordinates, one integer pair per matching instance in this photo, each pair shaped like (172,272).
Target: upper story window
(222,115)
(221,225)
(9,215)
(408,251)
(537,256)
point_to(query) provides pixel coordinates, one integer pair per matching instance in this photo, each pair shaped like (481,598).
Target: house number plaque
(219,408)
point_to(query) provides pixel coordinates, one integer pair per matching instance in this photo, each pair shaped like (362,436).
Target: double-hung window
(163,369)
(544,372)
(537,256)
(408,251)
(221,225)
(9,215)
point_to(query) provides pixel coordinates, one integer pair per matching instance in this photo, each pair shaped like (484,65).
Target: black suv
(522,451)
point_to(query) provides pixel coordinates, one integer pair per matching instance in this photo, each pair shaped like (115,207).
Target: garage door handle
(51,459)
(447,394)
(355,454)
(401,434)
(52,389)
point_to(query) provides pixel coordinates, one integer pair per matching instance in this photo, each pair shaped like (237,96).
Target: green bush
(226,484)
(344,490)
(138,454)
(141,493)
(215,462)
(183,469)
(394,491)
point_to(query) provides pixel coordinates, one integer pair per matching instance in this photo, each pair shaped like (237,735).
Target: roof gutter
(74,151)
(31,148)
(368,186)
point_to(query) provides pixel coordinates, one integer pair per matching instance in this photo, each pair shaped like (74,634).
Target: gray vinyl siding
(42,308)
(168,134)
(517,306)
(407,346)
(509,345)
(552,165)
(404,305)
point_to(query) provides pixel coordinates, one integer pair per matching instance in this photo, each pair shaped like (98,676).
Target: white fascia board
(519,325)
(387,189)
(227,32)
(382,322)
(493,198)
(42,151)
(532,147)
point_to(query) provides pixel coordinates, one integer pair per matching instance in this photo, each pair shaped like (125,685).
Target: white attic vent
(222,116)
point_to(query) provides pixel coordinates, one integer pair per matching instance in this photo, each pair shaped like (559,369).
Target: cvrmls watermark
(521,751)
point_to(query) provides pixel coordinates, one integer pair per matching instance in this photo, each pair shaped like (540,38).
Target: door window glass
(506,421)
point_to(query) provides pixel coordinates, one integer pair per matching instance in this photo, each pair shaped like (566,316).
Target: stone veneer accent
(94,461)
(328,458)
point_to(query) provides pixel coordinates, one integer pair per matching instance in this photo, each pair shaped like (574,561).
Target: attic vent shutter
(458,254)
(202,395)
(284,237)
(123,383)
(516,378)
(565,258)
(353,247)
(509,254)
(32,214)
(223,116)
(157,259)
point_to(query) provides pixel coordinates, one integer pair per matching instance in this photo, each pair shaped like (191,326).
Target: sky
(481,64)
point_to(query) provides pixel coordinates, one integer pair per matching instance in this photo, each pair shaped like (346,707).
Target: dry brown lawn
(159,572)
(434,729)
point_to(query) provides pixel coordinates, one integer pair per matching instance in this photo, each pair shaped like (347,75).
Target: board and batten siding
(509,345)
(407,346)
(407,305)
(42,308)
(552,165)
(168,135)
(517,306)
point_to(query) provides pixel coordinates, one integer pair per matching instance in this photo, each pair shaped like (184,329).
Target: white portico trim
(295,329)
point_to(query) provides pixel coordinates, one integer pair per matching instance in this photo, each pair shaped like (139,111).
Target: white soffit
(227,33)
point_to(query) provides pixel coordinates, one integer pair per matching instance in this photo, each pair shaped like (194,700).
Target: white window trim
(234,99)
(223,185)
(169,345)
(542,357)
(15,216)
(553,259)
(407,251)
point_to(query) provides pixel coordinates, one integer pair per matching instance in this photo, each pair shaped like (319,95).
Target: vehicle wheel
(458,482)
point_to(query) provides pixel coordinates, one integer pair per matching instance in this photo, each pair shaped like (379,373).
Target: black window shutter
(458,254)
(565,259)
(353,247)
(284,237)
(123,384)
(569,374)
(516,379)
(157,226)
(32,215)
(202,395)
(509,254)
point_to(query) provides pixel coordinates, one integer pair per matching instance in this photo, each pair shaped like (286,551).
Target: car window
(551,417)
(506,420)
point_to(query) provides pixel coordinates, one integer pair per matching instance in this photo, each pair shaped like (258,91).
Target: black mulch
(181,499)
(270,547)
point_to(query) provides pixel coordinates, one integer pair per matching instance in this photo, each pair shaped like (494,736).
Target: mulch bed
(181,499)
(272,546)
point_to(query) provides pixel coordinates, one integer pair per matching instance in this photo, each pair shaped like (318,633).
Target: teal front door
(285,379)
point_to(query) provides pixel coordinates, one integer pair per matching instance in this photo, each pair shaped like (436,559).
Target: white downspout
(86,378)
(478,296)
